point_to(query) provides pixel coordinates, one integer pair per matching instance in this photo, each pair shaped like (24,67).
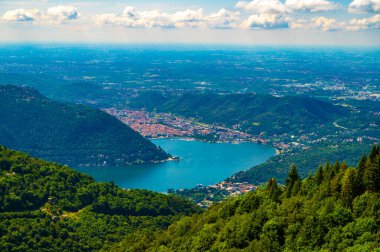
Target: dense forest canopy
(67,133)
(337,209)
(307,161)
(48,207)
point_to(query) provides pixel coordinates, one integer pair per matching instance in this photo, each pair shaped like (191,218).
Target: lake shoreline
(197,163)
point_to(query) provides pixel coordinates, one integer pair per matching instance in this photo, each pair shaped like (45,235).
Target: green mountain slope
(306,161)
(251,113)
(69,134)
(337,209)
(48,207)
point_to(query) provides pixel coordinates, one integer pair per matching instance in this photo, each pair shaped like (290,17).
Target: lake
(201,163)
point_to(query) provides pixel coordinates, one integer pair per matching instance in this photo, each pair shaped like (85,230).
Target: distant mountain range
(252,113)
(67,133)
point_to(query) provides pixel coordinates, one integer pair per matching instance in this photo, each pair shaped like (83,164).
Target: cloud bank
(364,6)
(289,6)
(266,21)
(55,14)
(132,18)
(254,14)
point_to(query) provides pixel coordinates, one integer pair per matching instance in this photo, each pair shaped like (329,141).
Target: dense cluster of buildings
(233,189)
(206,196)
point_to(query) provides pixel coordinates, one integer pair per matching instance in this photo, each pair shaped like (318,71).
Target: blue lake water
(201,163)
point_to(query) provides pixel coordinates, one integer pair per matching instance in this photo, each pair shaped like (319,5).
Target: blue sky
(274,22)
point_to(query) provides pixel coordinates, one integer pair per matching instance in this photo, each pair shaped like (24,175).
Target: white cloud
(110,19)
(222,19)
(63,12)
(278,7)
(318,23)
(364,23)
(22,15)
(326,24)
(187,16)
(263,6)
(311,5)
(331,24)
(53,15)
(133,18)
(149,19)
(144,19)
(130,12)
(266,21)
(364,6)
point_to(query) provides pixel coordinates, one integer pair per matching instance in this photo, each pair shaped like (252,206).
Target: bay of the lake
(200,163)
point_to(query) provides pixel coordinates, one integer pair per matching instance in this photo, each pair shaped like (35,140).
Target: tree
(350,187)
(296,188)
(274,191)
(372,176)
(336,167)
(374,153)
(344,166)
(361,167)
(293,177)
(319,175)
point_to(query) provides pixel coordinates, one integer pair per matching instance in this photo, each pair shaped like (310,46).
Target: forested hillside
(306,160)
(48,207)
(251,113)
(69,134)
(337,209)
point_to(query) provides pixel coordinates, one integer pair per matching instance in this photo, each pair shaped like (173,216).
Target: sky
(249,22)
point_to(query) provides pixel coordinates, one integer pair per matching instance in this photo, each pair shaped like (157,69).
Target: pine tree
(336,167)
(349,187)
(343,166)
(319,175)
(330,171)
(296,188)
(361,167)
(274,190)
(293,177)
(327,166)
(374,153)
(372,175)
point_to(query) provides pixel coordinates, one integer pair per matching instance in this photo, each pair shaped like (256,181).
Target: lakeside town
(166,125)
(206,196)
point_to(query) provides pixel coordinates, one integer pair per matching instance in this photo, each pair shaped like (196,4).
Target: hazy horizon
(253,22)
